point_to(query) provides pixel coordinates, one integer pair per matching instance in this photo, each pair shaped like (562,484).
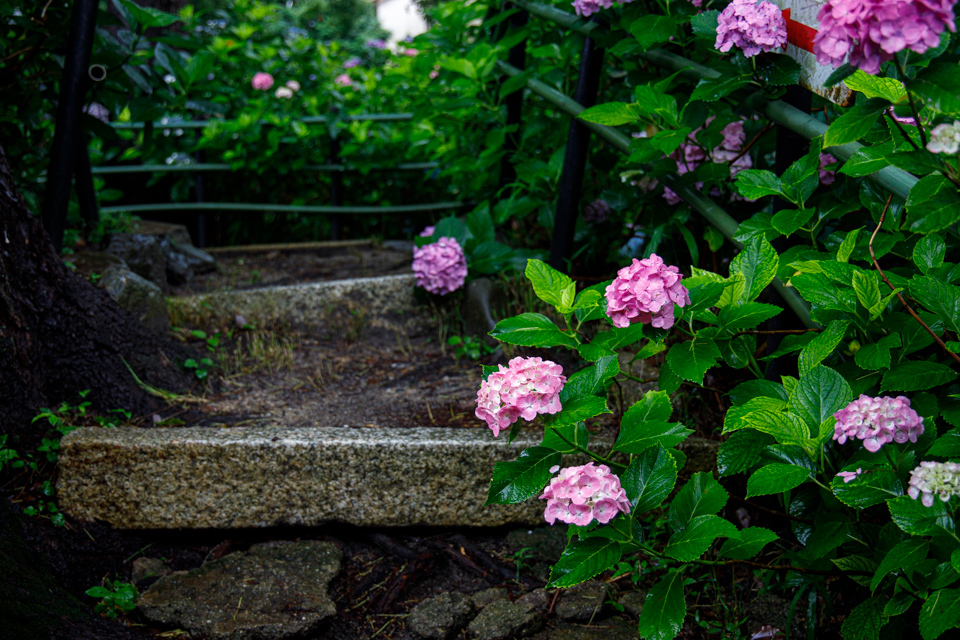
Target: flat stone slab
(203,477)
(273,591)
(311,304)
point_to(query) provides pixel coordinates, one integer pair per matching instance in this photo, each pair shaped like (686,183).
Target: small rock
(198,260)
(138,296)
(581,602)
(176,232)
(632,602)
(502,619)
(143,254)
(144,568)
(178,271)
(442,617)
(538,600)
(482,598)
(276,590)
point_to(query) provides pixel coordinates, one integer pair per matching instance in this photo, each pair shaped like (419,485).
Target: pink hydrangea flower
(524,388)
(646,291)
(427,231)
(352,62)
(377,44)
(343,80)
(869,32)
(850,476)
(579,495)
(827,176)
(434,73)
(283,92)
(751,27)
(410,52)
(596,212)
(878,421)
(293,85)
(941,479)
(261,81)
(441,266)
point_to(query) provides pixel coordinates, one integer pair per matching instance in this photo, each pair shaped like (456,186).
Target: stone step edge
(240,477)
(308,303)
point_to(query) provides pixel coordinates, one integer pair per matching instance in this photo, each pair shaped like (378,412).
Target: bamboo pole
(282,208)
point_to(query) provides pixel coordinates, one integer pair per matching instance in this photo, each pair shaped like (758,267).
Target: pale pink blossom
(440,267)
(751,27)
(878,421)
(343,80)
(262,81)
(579,495)
(646,291)
(850,476)
(934,479)
(525,388)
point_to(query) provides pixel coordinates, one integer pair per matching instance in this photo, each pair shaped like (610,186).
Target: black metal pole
(68,133)
(518,58)
(86,193)
(336,190)
(575,159)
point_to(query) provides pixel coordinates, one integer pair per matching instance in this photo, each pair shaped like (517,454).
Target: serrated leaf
(691,359)
(787,428)
(741,451)
(582,560)
(714,89)
(653,29)
(753,184)
(549,284)
(532,330)
(750,542)
(693,540)
(941,298)
(577,410)
(649,479)
(516,481)
(758,263)
(940,612)
(869,488)
(790,220)
(848,245)
(932,205)
(867,288)
(906,554)
(857,568)
(929,252)
(745,316)
(947,445)
(865,621)
(591,380)
(705,24)
(819,394)
(778,70)
(822,346)
(746,391)
(701,495)
(914,518)
(889,89)
(776,478)
(611,114)
(917,376)
(877,355)
(854,123)
(664,609)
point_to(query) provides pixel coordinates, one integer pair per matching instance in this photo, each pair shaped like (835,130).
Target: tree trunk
(60,335)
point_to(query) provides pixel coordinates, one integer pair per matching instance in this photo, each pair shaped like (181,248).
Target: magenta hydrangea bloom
(827,176)
(352,62)
(941,479)
(579,495)
(441,266)
(878,421)
(751,27)
(868,33)
(596,212)
(343,80)
(524,388)
(377,44)
(427,231)
(646,291)
(261,81)
(587,8)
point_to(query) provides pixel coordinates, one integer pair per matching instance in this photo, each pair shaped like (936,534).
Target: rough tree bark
(60,335)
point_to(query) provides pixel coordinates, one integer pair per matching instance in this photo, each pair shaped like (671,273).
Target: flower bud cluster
(646,291)
(524,388)
(578,495)
(945,138)
(752,27)
(878,421)
(441,266)
(941,479)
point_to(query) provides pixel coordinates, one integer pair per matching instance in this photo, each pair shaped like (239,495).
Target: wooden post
(68,134)
(518,58)
(575,159)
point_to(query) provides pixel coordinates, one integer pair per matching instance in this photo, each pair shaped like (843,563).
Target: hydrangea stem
(595,456)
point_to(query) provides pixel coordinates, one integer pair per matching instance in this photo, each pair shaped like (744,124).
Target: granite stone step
(204,477)
(384,299)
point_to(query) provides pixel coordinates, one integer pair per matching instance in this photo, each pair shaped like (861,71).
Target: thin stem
(903,131)
(894,289)
(913,105)
(772,332)
(593,455)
